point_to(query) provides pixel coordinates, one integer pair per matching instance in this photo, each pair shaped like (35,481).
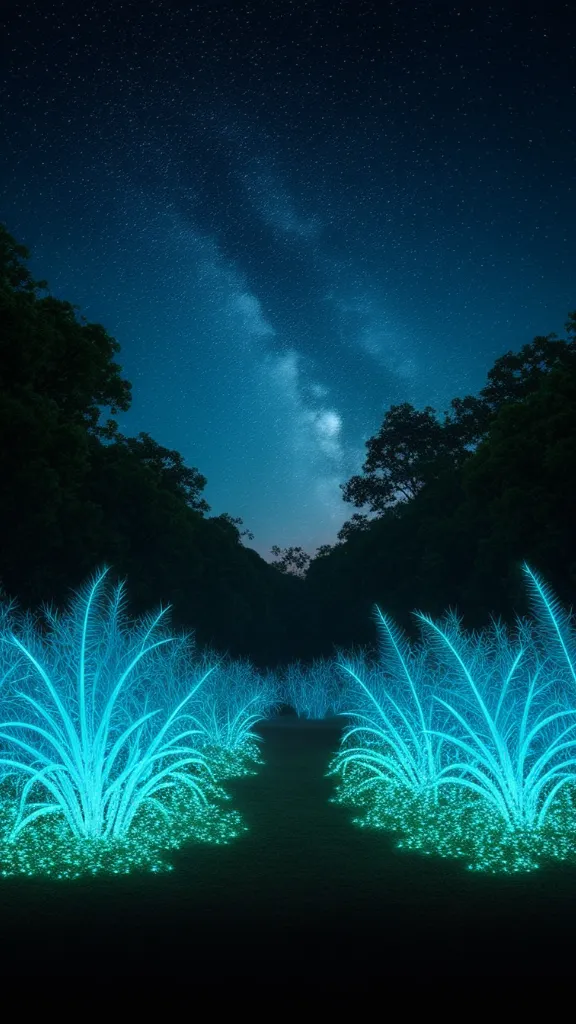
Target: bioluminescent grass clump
(314,691)
(460,826)
(393,712)
(476,756)
(49,848)
(234,700)
(514,738)
(100,770)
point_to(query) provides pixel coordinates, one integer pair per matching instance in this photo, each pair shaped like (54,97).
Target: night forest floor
(303,896)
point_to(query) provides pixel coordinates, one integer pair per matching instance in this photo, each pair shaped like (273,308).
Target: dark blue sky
(293,215)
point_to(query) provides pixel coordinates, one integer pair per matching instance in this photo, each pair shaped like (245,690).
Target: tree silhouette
(47,350)
(410,448)
(169,467)
(293,560)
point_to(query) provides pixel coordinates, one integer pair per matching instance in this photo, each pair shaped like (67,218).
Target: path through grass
(303,894)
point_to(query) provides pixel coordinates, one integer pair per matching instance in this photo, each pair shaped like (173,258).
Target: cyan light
(466,745)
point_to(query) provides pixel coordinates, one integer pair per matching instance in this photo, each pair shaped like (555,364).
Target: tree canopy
(448,506)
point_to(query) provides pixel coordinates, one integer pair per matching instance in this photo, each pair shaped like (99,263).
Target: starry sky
(292,215)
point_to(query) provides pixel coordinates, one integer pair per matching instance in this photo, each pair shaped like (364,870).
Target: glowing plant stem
(496,736)
(504,689)
(82,667)
(384,622)
(72,736)
(381,711)
(545,601)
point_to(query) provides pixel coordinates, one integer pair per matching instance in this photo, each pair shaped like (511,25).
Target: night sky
(292,215)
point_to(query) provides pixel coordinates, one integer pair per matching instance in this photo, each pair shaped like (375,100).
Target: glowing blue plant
(234,700)
(475,755)
(555,631)
(514,737)
(75,743)
(394,710)
(313,691)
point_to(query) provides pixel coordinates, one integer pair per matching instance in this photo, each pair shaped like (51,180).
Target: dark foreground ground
(304,896)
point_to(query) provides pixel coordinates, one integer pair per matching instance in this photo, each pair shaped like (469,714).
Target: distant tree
(56,375)
(413,447)
(292,560)
(355,524)
(45,525)
(14,274)
(324,550)
(514,377)
(236,521)
(46,349)
(470,418)
(518,486)
(496,491)
(170,469)
(410,448)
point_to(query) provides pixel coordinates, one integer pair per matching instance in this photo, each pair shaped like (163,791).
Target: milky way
(293,215)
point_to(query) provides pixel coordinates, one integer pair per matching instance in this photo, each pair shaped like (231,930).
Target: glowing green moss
(229,764)
(48,847)
(460,825)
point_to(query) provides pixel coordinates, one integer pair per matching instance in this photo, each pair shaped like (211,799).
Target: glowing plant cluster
(314,692)
(234,699)
(466,743)
(104,759)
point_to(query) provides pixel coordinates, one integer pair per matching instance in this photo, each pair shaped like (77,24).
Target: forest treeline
(449,507)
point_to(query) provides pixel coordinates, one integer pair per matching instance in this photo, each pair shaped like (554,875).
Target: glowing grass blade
(555,620)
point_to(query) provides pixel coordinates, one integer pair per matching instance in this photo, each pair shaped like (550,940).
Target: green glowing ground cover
(47,847)
(458,826)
